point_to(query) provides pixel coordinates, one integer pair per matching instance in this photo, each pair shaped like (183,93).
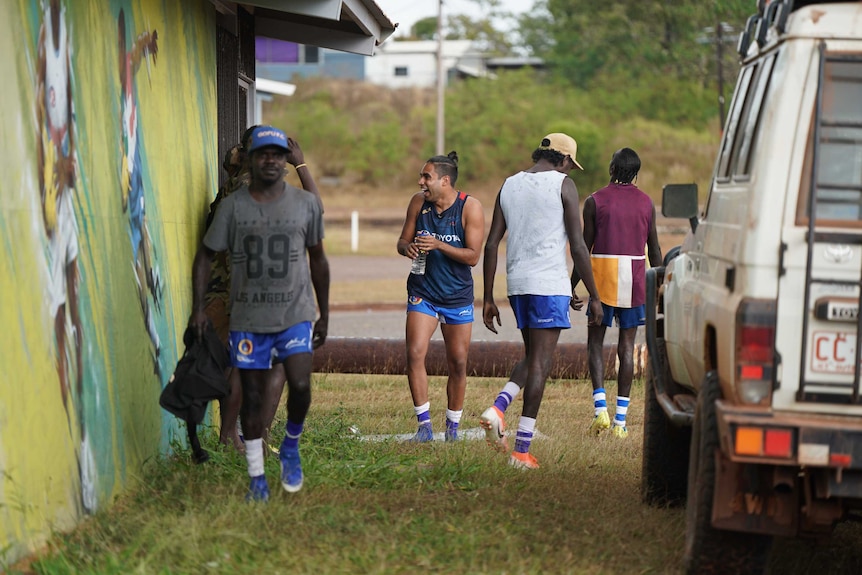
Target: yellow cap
(562,143)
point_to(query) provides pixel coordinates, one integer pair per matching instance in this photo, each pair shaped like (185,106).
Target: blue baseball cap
(263,136)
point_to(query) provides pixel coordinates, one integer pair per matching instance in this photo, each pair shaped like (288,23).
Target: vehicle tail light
(764,442)
(755,351)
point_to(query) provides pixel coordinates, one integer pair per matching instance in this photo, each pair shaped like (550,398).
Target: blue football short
(541,311)
(624,317)
(250,350)
(447,315)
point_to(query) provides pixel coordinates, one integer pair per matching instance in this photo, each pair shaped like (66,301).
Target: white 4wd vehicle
(753,404)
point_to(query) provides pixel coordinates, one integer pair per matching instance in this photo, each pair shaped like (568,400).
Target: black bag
(198,379)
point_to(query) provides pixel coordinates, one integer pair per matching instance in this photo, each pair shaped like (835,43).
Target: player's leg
(543,342)
(297,369)
(274,391)
(457,340)
(492,419)
(420,325)
(253,387)
(229,410)
(596,361)
(229,405)
(629,320)
(294,350)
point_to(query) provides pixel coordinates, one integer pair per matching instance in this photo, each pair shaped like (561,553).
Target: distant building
(514,63)
(396,64)
(414,63)
(264,90)
(285,61)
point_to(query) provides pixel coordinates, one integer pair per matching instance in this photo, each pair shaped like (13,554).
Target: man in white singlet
(539,208)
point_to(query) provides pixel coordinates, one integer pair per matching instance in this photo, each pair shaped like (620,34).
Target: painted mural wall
(108,118)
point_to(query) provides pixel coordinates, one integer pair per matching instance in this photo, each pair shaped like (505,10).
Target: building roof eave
(357,26)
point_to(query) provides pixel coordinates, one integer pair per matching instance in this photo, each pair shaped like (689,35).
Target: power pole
(441,82)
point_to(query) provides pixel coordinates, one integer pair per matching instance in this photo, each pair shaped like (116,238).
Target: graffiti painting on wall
(91,106)
(56,156)
(60,184)
(143,49)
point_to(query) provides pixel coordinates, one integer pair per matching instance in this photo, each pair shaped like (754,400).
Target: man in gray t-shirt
(274,234)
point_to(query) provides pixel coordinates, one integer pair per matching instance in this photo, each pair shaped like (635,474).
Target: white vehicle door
(818,323)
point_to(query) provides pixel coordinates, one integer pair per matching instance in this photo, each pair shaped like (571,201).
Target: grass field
(384,507)
(392,507)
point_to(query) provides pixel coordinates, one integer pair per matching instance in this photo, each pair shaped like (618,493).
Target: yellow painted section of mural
(108,112)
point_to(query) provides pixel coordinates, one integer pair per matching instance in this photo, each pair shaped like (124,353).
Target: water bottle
(418,266)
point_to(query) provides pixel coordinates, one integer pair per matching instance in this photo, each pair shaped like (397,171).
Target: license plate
(833,352)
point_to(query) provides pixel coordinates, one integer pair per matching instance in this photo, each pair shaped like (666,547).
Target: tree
(630,38)
(424,29)
(487,31)
(482,31)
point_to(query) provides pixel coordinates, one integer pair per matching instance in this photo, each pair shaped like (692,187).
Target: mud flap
(754,499)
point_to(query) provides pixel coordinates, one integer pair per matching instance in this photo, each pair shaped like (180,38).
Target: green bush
(322,128)
(380,137)
(379,148)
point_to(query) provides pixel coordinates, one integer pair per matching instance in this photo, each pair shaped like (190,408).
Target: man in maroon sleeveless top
(619,220)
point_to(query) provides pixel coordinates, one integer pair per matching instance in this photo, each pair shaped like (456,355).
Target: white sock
(254,456)
(622,410)
(524,437)
(420,409)
(600,402)
(507,395)
(454,416)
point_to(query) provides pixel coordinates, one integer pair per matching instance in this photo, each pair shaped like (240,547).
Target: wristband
(300,166)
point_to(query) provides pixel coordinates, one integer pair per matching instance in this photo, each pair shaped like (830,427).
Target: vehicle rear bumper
(824,441)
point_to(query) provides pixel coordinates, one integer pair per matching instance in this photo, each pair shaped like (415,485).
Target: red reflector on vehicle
(778,443)
(751,371)
(840,459)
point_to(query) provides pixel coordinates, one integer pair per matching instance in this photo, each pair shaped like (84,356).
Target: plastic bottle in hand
(418,266)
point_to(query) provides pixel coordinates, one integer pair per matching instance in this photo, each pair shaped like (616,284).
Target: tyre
(710,550)
(664,470)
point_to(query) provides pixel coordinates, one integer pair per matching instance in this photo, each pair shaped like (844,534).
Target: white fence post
(354,231)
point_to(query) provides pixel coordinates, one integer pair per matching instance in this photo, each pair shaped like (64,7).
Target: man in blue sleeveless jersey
(443,227)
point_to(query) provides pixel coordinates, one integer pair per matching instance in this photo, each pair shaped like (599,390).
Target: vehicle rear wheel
(664,470)
(710,550)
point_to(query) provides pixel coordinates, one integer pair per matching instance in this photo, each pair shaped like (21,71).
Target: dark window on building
(401,71)
(312,54)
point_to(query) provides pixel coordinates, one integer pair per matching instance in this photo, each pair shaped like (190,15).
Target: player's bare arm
(406,247)
(200,277)
(578,248)
(489,266)
(318,265)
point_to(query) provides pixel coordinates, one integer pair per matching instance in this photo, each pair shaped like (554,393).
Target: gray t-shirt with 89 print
(271,286)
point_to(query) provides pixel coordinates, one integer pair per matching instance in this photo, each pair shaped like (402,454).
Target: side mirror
(680,201)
